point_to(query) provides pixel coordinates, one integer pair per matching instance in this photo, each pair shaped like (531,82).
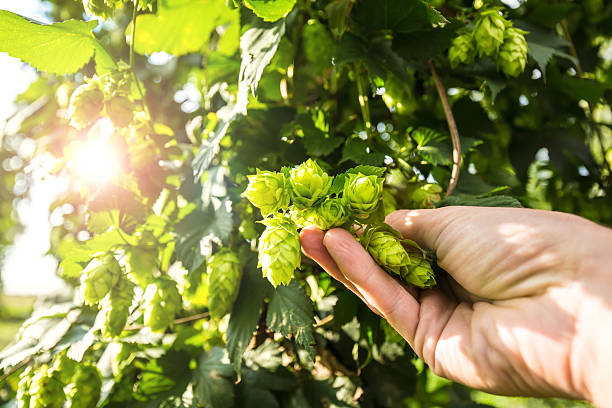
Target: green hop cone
(279,250)
(116,308)
(97,279)
(512,56)
(46,389)
(331,213)
(418,272)
(309,183)
(162,301)
(140,264)
(386,248)
(267,191)
(462,51)
(489,30)
(86,387)
(86,104)
(120,110)
(23,388)
(362,194)
(224,274)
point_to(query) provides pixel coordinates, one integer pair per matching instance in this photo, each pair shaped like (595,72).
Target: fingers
(423,226)
(312,245)
(378,288)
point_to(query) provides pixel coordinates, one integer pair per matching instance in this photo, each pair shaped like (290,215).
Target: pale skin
(528,310)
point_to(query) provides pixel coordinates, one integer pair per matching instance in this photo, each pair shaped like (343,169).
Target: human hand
(525,310)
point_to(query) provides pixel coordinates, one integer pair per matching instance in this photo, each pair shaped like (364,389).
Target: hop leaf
(309,183)
(267,191)
(386,248)
(224,273)
(489,30)
(462,51)
(362,194)
(97,279)
(279,250)
(140,264)
(86,103)
(512,56)
(86,387)
(162,301)
(116,308)
(331,213)
(46,389)
(120,110)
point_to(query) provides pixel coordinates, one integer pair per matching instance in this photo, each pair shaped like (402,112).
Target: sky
(27,270)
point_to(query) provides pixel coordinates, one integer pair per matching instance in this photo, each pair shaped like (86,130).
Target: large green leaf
(270,10)
(400,16)
(180,26)
(214,380)
(290,313)
(59,48)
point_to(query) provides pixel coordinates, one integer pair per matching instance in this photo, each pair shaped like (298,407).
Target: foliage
(161,249)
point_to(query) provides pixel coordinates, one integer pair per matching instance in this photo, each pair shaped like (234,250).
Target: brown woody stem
(452,127)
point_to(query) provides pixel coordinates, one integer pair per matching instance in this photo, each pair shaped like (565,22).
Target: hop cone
(462,51)
(116,308)
(512,56)
(140,264)
(386,249)
(267,191)
(23,389)
(331,213)
(100,8)
(87,384)
(418,272)
(362,193)
(309,183)
(489,32)
(279,250)
(86,104)
(120,110)
(99,277)
(224,273)
(162,301)
(46,390)
(426,195)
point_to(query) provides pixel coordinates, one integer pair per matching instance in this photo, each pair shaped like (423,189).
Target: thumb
(425,227)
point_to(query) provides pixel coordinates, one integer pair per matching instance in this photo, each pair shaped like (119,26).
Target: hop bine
(224,274)
(489,30)
(267,191)
(309,183)
(512,56)
(279,250)
(362,194)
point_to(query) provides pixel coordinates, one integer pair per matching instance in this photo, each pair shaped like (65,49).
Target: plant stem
(363,98)
(15,368)
(182,320)
(132,62)
(452,127)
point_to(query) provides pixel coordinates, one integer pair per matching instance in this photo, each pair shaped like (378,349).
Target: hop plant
(419,271)
(362,194)
(224,274)
(331,213)
(489,30)
(86,387)
(140,264)
(462,51)
(512,56)
(162,301)
(279,250)
(100,8)
(86,103)
(116,308)
(23,388)
(97,279)
(120,110)
(267,191)
(309,183)
(386,249)
(46,389)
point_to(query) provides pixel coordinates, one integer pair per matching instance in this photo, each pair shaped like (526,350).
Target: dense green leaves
(214,380)
(60,48)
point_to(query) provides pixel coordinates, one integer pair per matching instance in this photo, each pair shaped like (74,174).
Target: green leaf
(258,45)
(59,48)
(290,313)
(245,314)
(180,26)
(543,45)
(270,10)
(313,130)
(214,380)
(368,170)
(358,151)
(400,16)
